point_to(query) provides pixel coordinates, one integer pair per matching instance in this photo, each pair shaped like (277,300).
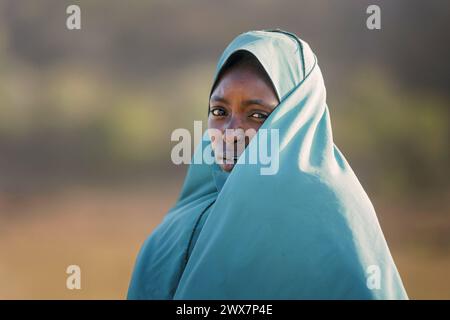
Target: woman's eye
(259,115)
(218,112)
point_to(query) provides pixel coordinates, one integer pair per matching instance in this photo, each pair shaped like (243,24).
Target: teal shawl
(307,232)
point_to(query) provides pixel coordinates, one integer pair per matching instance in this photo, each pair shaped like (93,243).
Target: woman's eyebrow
(246,103)
(258,102)
(217,98)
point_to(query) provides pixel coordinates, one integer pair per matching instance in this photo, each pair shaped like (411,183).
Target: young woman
(307,231)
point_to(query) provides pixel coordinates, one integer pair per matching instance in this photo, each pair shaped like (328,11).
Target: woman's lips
(228,156)
(234,159)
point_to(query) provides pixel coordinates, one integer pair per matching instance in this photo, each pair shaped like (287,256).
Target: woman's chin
(227,166)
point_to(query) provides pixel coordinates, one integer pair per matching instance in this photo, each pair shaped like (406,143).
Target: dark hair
(243,58)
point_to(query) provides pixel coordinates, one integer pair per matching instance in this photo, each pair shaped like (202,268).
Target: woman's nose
(234,130)
(234,123)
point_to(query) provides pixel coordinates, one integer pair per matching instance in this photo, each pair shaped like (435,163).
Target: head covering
(307,232)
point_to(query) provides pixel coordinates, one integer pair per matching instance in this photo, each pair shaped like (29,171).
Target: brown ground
(101,230)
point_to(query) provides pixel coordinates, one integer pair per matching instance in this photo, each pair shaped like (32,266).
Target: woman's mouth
(229,159)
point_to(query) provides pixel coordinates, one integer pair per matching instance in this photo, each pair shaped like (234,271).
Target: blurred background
(86,117)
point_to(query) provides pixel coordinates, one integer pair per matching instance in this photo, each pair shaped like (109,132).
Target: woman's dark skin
(242,99)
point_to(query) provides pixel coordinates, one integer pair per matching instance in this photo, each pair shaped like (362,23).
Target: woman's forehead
(244,69)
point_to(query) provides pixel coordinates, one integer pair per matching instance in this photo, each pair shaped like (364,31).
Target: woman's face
(242,100)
